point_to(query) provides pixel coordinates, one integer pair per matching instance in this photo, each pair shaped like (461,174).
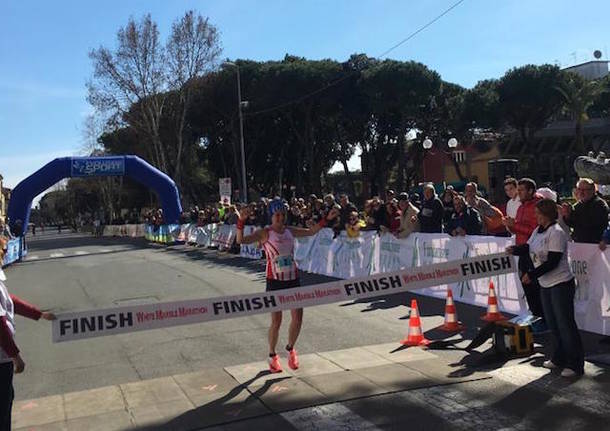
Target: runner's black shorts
(281,284)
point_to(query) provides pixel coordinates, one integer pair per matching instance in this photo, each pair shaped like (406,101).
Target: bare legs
(293,331)
(274,330)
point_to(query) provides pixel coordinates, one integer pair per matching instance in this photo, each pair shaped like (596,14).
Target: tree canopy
(174,105)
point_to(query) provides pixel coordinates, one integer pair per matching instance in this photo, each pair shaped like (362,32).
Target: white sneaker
(549,364)
(567,372)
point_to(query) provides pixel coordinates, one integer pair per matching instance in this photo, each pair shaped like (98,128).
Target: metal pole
(241,138)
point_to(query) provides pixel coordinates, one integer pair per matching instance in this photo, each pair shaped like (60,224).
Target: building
(5,195)
(471,160)
(590,70)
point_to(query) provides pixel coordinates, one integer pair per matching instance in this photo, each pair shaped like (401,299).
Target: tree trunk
(300,170)
(580,141)
(348,176)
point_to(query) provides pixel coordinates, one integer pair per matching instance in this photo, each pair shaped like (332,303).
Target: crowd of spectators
(454,213)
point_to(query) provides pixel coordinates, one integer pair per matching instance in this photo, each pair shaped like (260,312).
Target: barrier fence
(14,251)
(371,253)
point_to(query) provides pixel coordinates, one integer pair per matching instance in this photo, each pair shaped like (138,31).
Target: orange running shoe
(274,364)
(293,359)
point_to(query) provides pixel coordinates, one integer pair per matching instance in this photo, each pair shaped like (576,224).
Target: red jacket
(525,221)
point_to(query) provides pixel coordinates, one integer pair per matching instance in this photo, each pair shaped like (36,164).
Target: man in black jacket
(465,220)
(431,214)
(589,217)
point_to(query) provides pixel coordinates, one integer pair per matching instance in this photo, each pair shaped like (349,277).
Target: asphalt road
(70,272)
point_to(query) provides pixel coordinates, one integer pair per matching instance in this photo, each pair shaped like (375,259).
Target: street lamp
(240,104)
(428,144)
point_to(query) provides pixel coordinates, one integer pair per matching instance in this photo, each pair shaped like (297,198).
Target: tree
(133,76)
(149,86)
(481,106)
(529,99)
(397,91)
(192,50)
(601,107)
(579,95)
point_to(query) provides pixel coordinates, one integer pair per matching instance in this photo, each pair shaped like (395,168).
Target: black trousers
(6,395)
(558,302)
(532,290)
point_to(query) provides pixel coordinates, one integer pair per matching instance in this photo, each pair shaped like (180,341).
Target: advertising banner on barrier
(424,249)
(95,323)
(320,253)
(591,267)
(353,257)
(13,251)
(224,236)
(395,253)
(250,251)
(164,234)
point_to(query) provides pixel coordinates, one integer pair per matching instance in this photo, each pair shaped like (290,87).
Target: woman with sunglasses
(282,273)
(10,358)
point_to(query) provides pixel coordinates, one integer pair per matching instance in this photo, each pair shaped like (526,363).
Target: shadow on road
(223,410)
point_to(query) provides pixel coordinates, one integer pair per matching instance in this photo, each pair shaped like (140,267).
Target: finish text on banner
(95,323)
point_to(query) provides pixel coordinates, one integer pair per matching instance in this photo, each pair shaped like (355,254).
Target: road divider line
(119,320)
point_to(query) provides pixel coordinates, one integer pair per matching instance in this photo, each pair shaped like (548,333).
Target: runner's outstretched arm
(259,235)
(300,232)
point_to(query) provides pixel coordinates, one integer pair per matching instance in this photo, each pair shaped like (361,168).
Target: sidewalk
(371,387)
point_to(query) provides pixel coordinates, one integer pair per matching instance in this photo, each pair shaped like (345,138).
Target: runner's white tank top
(279,249)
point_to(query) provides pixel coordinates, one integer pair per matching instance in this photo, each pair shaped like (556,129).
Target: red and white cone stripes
(415,337)
(451,321)
(493,314)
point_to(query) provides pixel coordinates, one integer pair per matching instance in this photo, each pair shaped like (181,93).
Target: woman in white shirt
(547,248)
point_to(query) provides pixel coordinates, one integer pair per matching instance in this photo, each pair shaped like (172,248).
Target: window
(459,156)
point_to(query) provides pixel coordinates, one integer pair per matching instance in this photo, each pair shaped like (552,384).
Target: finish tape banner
(120,320)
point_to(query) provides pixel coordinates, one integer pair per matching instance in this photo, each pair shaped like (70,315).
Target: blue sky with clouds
(44,46)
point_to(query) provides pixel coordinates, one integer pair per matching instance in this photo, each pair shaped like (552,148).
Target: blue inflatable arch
(68,167)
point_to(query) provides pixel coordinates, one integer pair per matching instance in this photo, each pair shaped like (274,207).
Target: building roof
(594,126)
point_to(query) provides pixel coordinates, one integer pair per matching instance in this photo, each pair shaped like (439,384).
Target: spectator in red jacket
(10,359)
(522,226)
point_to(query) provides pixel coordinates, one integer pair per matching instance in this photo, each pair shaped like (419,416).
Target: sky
(44,48)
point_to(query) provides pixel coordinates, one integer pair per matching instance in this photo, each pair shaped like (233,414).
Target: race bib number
(283,263)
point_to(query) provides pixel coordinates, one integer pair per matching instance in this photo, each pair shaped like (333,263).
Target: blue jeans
(558,305)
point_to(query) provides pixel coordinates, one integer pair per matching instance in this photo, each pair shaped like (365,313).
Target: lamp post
(240,104)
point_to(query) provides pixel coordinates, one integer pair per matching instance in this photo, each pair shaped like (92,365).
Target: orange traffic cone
(493,314)
(451,321)
(415,337)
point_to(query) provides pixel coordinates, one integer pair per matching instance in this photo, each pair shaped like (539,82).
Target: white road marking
(55,255)
(31,258)
(81,253)
(331,417)
(105,250)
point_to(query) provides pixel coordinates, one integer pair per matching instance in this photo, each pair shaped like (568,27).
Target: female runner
(278,242)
